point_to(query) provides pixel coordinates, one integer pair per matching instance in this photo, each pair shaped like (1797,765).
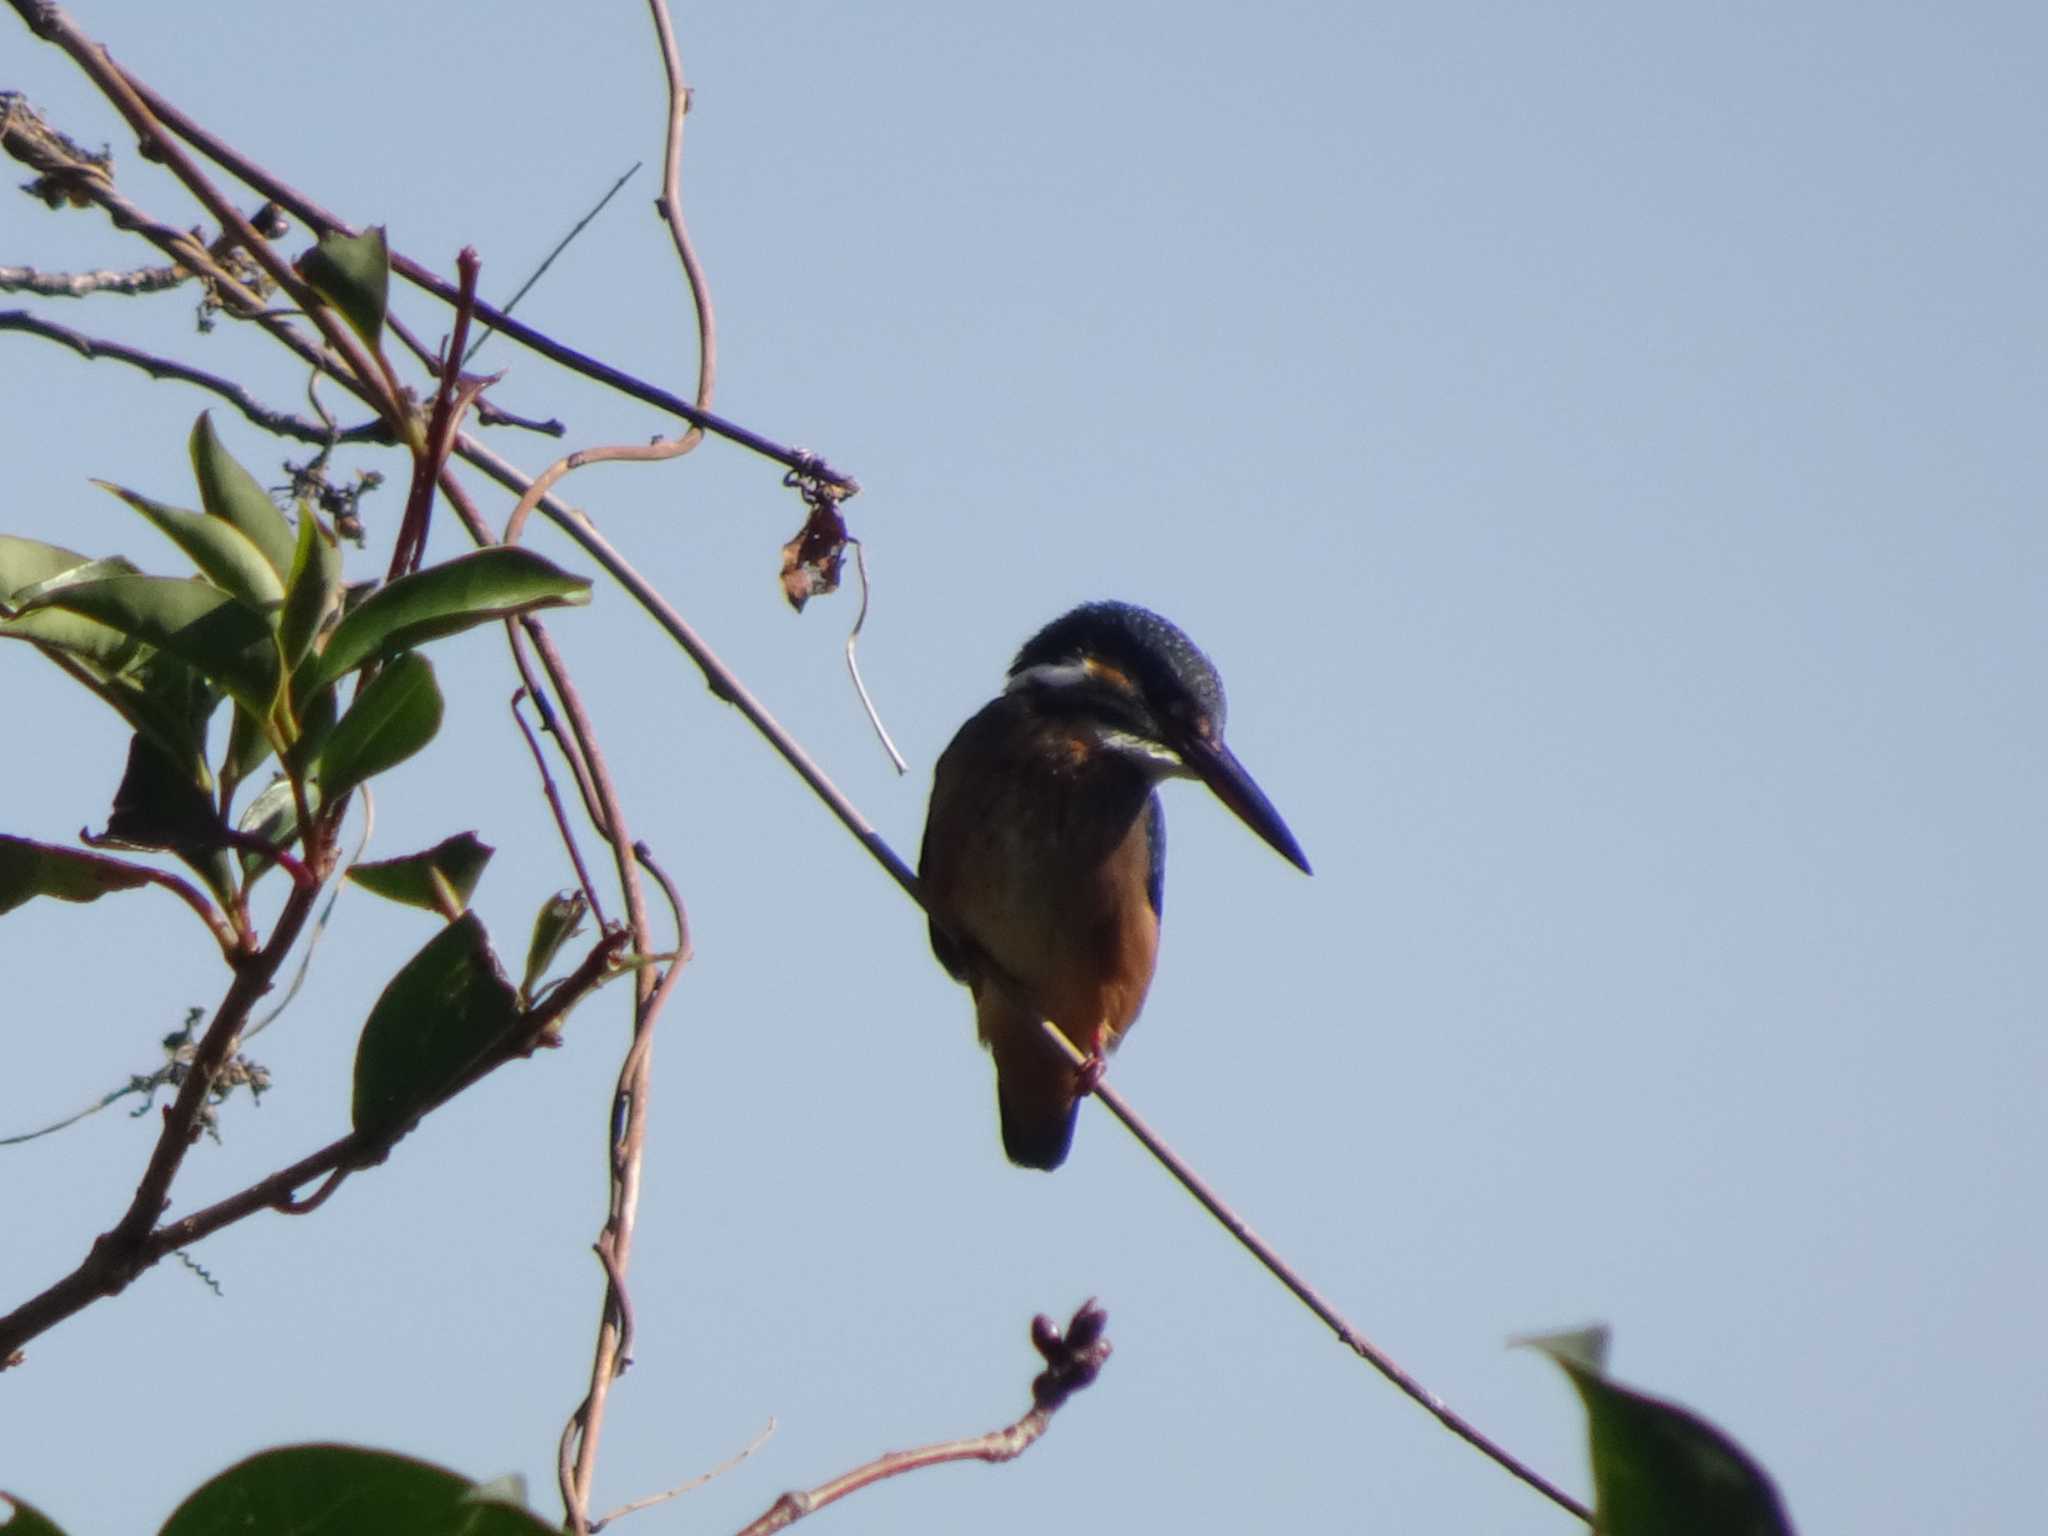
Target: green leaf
(451,869)
(312,591)
(230,493)
(29,870)
(157,695)
(445,599)
(28,571)
(25,562)
(248,748)
(194,620)
(224,554)
(339,1490)
(553,926)
(1658,1469)
(273,816)
(353,273)
(392,718)
(26,1519)
(317,717)
(435,1021)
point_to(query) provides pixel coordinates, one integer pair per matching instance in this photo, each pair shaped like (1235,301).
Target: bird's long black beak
(1217,766)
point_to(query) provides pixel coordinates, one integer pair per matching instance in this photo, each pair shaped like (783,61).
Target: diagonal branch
(136,1242)
(278,423)
(1073,1360)
(322,221)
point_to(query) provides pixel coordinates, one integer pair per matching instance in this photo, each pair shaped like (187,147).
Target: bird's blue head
(1151,695)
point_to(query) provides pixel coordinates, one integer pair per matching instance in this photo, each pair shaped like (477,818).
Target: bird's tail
(1035,1090)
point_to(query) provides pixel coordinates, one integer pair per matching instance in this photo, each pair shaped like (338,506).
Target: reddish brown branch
(1073,1360)
(563,830)
(135,1243)
(278,423)
(431,456)
(311,213)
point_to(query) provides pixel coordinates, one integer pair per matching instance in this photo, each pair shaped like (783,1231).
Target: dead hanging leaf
(811,561)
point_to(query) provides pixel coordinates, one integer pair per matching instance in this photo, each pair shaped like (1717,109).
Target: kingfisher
(1044,856)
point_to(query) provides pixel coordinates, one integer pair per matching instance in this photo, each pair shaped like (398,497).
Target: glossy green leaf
(445,599)
(25,562)
(29,869)
(312,591)
(353,273)
(230,493)
(317,719)
(553,926)
(28,570)
(434,1022)
(25,1519)
(274,817)
(100,650)
(1659,1469)
(223,553)
(195,621)
(249,747)
(340,1490)
(392,718)
(90,570)
(449,870)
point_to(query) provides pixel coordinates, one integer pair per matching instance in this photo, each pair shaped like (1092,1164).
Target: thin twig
(124,1251)
(1073,1360)
(692,1485)
(548,260)
(429,457)
(364,793)
(278,423)
(1305,1293)
(136,1242)
(78,285)
(113,82)
(321,220)
(723,681)
(682,949)
(670,207)
(860,565)
(554,795)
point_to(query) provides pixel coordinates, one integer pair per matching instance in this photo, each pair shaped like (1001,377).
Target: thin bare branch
(1305,1293)
(113,82)
(547,785)
(860,565)
(276,422)
(723,681)
(670,207)
(429,456)
(690,1486)
(79,285)
(1073,1359)
(321,220)
(136,1243)
(548,260)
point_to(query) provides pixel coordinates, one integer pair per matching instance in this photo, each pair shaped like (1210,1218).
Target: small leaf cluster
(328,687)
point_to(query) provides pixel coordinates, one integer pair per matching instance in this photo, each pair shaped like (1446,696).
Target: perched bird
(1045,846)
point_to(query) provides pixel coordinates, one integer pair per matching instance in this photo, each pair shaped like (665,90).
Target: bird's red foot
(1088,1076)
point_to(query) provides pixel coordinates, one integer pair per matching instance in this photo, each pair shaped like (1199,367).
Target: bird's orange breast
(1040,871)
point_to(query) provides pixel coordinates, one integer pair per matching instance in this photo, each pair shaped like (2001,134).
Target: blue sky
(1601,448)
